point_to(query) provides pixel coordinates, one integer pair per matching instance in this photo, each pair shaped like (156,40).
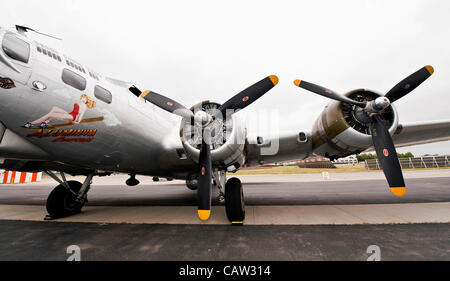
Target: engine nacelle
(343,129)
(228,138)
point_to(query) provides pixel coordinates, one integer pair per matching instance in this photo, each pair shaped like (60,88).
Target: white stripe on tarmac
(255,215)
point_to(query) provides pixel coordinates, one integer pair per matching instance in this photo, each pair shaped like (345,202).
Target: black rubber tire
(234,201)
(132,182)
(192,184)
(61,202)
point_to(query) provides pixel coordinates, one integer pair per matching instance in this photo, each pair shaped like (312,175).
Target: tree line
(364,156)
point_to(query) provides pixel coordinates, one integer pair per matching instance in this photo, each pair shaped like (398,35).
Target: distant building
(346,160)
(315,162)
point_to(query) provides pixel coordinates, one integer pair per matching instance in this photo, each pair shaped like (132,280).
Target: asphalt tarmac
(419,190)
(39,240)
(49,241)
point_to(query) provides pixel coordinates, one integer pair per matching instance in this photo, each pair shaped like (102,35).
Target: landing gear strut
(220,177)
(68,197)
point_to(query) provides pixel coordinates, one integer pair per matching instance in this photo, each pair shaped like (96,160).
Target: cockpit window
(16,48)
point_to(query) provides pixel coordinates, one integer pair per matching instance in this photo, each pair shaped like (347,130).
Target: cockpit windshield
(16,48)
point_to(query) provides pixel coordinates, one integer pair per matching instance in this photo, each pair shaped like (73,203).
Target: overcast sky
(198,50)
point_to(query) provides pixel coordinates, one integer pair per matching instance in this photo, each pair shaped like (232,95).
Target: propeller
(203,120)
(382,140)
(249,95)
(167,104)
(204,177)
(327,93)
(409,83)
(387,155)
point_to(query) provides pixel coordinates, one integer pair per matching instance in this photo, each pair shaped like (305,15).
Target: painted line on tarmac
(255,215)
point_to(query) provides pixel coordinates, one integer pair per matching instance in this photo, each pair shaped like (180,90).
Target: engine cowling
(343,129)
(227,140)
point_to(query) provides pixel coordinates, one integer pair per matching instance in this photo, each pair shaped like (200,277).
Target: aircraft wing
(292,145)
(422,132)
(269,148)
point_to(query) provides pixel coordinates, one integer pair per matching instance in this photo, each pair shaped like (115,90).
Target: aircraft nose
(10,96)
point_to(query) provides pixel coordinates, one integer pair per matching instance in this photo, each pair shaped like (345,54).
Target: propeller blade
(409,83)
(167,104)
(326,93)
(249,95)
(204,179)
(387,156)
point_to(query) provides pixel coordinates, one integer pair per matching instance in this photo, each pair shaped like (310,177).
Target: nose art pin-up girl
(75,116)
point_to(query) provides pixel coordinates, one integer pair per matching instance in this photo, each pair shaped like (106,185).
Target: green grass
(342,168)
(297,170)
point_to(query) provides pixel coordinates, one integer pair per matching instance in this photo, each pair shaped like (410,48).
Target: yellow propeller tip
(297,82)
(274,79)
(144,93)
(398,191)
(204,214)
(430,69)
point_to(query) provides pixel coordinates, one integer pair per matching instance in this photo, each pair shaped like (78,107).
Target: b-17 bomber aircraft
(59,116)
